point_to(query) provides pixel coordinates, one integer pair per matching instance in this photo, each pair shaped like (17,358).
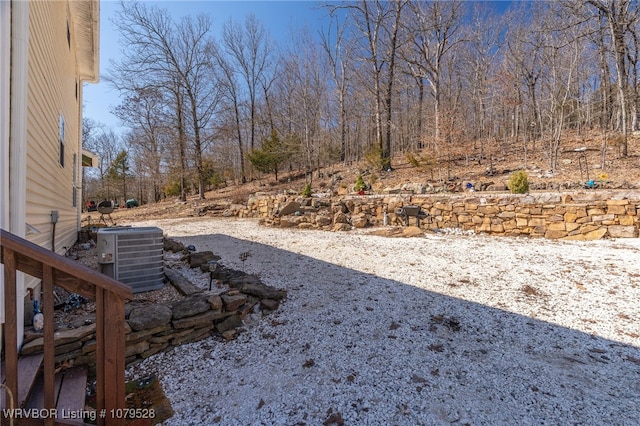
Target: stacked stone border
(155,327)
(571,216)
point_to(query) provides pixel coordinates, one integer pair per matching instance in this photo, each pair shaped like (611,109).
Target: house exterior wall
(41,74)
(53,102)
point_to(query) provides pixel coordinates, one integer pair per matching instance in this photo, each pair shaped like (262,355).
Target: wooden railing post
(110,355)
(49,344)
(10,326)
(101,372)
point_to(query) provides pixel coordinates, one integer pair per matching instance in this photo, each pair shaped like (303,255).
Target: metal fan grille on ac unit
(133,256)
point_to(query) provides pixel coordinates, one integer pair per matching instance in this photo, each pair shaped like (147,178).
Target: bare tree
(202,92)
(385,77)
(145,113)
(305,72)
(526,40)
(633,58)
(377,26)
(484,47)
(393,46)
(620,16)
(248,49)
(338,53)
(162,54)
(232,99)
(561,54)
(434,29)
(105,143)
(148,65)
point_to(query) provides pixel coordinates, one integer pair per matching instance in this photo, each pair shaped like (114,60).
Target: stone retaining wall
(154,327)
(571,215)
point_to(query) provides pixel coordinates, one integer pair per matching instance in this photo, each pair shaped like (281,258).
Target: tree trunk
(420,111)
(386,151)
(182,142)
(617,36)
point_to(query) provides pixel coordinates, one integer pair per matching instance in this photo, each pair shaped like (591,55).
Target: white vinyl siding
(52,103)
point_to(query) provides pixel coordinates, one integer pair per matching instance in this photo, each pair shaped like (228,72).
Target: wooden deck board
(36,400)
(28,368)
(70,390)
(71,397)
(73,389)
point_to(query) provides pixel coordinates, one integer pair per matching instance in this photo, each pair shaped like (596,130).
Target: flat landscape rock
(190,306)
(181,283)
(150,316)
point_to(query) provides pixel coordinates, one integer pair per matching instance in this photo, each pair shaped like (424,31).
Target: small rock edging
(155,327)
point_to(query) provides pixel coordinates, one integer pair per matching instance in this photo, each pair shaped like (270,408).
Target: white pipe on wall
(5,80)
(18,128)
(19,70)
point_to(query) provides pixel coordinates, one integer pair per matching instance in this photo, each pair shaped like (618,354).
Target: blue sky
(278,17)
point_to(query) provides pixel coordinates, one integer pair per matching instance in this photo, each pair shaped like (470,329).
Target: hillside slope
(579,161)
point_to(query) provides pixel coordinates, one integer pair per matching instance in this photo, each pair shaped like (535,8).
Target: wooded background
(429,80)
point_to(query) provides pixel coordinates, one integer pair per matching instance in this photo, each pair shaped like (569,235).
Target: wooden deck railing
(18,254)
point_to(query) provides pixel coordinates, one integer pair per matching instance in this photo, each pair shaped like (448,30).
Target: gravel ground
(432,330)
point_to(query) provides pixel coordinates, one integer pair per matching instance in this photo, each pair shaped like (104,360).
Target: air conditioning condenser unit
(133,256)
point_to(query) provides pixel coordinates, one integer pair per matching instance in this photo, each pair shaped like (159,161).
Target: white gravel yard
(434,330)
